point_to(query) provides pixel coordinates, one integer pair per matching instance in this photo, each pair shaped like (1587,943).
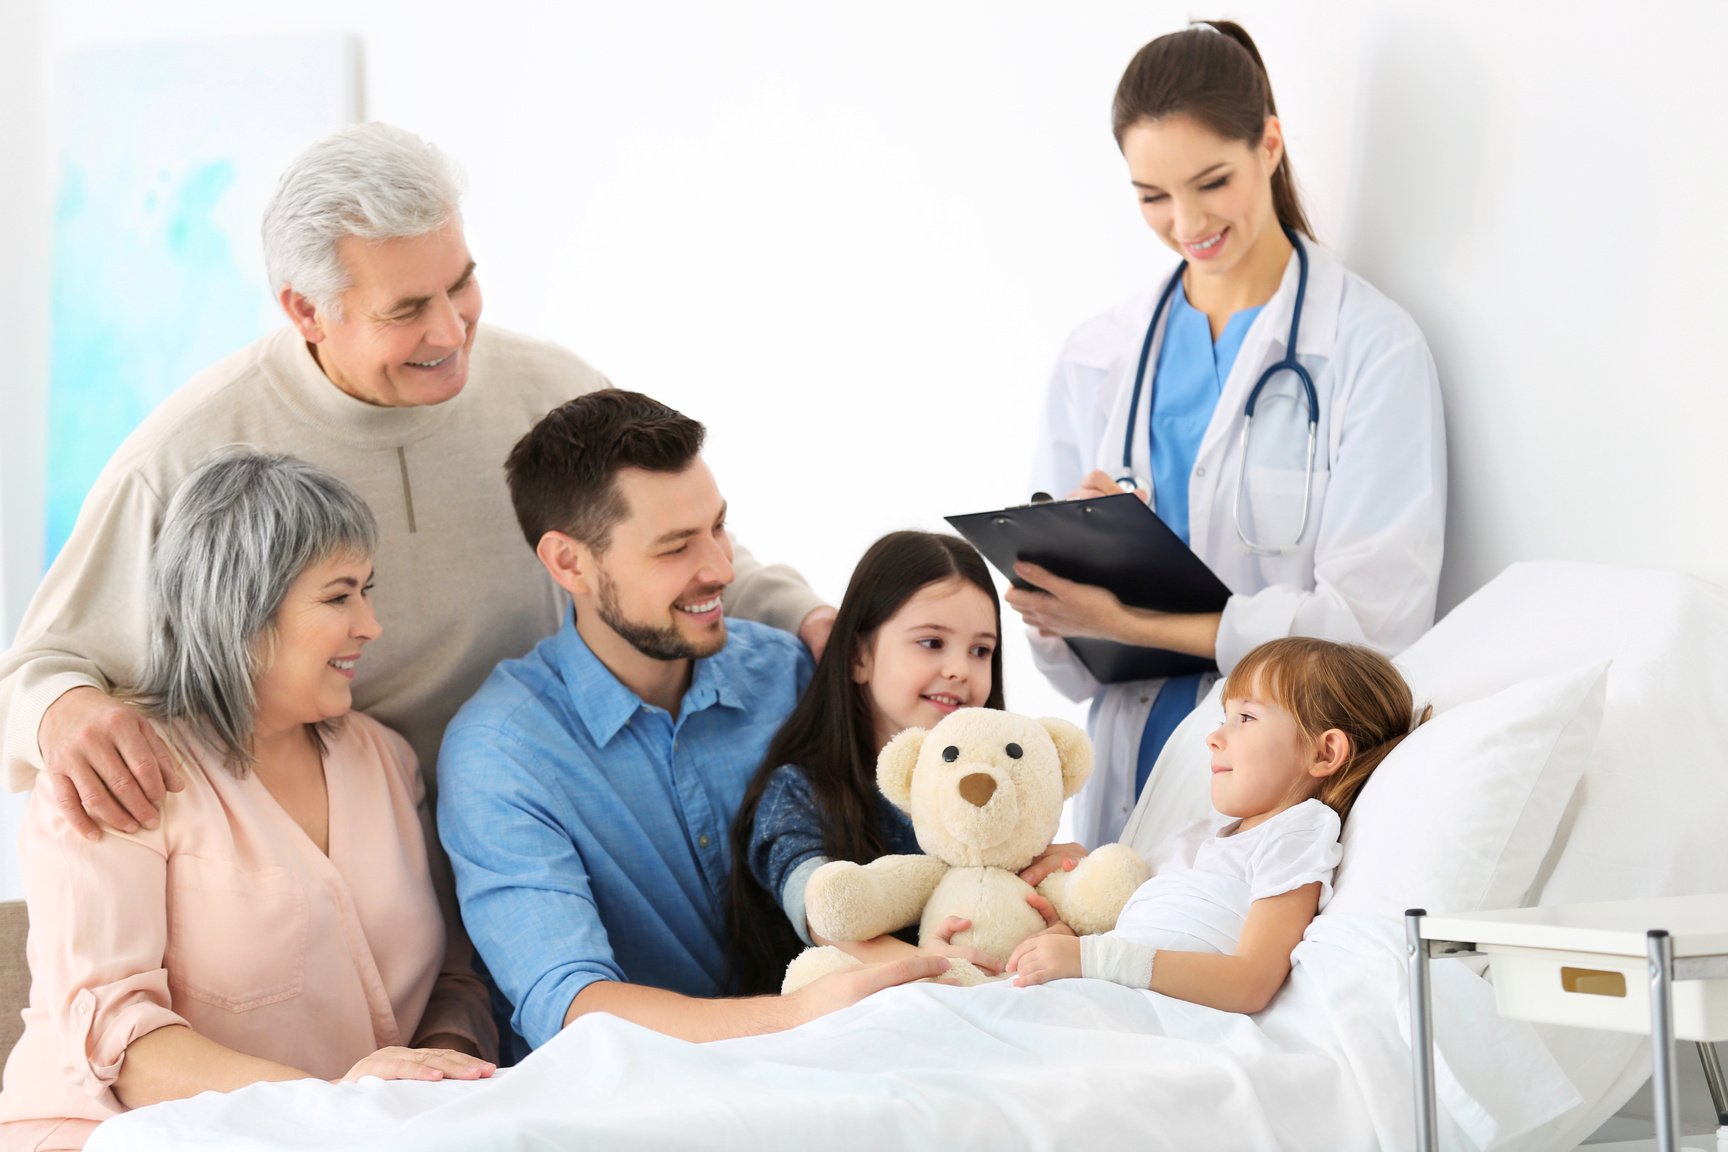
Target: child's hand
(943,945)
(1056,858)
(1053,924)
(1045,957)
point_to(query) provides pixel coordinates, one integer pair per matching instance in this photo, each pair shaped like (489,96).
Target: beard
(664,642)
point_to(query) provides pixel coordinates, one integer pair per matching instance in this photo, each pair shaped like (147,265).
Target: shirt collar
(605,705)
(298,376)
(1319,307)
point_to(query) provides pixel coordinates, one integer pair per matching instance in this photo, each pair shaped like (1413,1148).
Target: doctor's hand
(1100,483)
(1065,608)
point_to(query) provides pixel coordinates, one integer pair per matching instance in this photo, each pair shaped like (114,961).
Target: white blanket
(1079,1063)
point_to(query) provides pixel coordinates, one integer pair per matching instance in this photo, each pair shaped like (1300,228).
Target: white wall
(24,218)
(851,240)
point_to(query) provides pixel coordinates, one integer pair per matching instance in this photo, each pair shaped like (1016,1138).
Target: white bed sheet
(1086,1064)
(1074,1064)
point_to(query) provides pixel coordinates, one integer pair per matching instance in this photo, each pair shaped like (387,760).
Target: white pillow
(1461,814)
(1458,818)
(1178,793)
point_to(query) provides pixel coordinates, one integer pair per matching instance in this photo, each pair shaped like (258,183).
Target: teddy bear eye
(950,754)
(1014,751)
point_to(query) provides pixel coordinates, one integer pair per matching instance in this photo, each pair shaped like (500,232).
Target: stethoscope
(1128,482)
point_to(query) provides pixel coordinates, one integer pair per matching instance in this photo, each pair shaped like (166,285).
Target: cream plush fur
(984,790)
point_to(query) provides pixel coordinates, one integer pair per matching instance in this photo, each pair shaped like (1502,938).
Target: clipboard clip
(1002,519)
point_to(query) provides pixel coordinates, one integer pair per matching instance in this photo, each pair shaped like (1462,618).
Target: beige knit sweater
(457,588)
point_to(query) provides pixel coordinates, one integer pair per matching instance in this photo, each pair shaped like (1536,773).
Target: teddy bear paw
(811,965)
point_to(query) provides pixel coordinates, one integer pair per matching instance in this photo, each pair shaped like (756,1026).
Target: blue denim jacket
(786,840)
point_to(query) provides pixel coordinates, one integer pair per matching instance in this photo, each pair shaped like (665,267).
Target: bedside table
(1657,967)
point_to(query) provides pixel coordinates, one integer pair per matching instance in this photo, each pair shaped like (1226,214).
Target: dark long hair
(831,735)
(1212,72)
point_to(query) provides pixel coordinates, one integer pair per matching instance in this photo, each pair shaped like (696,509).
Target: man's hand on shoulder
(104,761)
(815,628)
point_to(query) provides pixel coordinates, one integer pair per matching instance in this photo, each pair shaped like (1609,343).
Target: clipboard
(1114,541)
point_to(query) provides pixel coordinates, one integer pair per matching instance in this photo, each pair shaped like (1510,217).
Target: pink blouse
(229,919)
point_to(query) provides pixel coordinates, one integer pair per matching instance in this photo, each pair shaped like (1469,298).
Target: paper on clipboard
(1114,541)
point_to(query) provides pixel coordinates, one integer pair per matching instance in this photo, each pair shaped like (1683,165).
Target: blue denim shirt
(786,840)
(588,830)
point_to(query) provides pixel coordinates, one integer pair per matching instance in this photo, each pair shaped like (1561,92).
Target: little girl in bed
(916,637)
(1305,723)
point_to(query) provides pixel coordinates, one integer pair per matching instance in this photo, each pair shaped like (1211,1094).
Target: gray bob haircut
(239,530)
(374,181)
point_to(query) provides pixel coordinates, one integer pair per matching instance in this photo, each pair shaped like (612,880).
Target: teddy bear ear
(1073,749)
(894,767)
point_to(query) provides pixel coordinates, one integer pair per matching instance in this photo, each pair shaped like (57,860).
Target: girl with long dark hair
(916,637)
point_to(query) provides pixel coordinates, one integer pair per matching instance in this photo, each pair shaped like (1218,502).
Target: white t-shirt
(1202,908)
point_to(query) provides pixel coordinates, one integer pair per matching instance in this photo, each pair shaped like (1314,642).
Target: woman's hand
(943,945)
(450,1040)
(1047,956)
(1099,483)
(420,1064)
(1058,607)
(1056,858)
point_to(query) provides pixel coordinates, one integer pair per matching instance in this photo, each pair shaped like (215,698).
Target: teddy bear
(984,790)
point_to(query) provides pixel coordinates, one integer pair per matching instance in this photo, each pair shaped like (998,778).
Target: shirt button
(1199,471)
(702,841)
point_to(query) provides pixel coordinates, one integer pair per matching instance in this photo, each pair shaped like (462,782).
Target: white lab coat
(1367,568)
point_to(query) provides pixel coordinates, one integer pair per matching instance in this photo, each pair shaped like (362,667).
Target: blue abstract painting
(168,153)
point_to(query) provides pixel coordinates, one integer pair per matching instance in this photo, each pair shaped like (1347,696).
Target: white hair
(373,180)
(239,530)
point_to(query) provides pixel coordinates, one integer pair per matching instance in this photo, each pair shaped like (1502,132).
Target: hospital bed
(1576,754)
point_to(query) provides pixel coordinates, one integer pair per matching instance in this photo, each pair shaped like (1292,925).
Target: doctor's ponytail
(1212,72)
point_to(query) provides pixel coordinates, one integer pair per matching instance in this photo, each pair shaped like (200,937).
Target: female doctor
(1321,508)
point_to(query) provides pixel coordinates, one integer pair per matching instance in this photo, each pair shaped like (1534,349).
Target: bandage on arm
(1117,960)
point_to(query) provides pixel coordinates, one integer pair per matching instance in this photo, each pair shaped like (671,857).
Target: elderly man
(385,377)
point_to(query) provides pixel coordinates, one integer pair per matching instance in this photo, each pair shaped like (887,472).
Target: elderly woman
(280,922)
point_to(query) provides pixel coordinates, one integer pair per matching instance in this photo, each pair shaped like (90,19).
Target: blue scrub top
(1191,374)
(1192,369)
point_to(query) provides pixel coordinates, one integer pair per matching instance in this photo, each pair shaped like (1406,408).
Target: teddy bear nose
(977,788)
